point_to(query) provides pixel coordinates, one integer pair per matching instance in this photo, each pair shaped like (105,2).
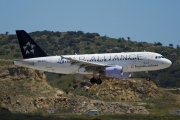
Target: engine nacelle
(116,72)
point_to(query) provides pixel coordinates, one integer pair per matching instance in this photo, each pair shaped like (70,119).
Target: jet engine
(116,71)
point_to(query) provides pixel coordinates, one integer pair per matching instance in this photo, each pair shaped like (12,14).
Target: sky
(141,20)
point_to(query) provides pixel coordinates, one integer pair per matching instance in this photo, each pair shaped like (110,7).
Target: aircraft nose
(168,63)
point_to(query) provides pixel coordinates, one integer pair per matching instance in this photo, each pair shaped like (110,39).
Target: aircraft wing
(87,65)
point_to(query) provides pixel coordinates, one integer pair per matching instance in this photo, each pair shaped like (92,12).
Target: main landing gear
(93,80)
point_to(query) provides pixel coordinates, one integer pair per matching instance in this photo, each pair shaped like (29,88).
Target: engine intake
(116,72)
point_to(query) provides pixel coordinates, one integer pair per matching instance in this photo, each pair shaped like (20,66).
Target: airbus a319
(117,65)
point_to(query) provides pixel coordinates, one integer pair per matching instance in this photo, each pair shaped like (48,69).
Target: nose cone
(168,63)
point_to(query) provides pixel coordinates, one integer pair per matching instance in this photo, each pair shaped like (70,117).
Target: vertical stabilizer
(28,46)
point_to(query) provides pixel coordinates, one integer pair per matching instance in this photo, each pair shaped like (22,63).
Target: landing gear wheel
(98,81)
(148,78)
(92,80)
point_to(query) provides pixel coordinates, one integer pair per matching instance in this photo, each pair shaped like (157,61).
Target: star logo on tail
(29,48)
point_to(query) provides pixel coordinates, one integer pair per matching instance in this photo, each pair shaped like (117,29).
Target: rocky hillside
(26,90)
(21,86)
(125,90)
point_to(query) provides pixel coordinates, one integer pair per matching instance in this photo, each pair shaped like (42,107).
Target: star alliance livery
(117,65)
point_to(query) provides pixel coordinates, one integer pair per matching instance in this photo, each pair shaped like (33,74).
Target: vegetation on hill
(71,42)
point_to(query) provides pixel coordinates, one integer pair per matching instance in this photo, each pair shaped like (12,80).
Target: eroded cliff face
(125,90)
(26,90)
(12,72)
(21,87)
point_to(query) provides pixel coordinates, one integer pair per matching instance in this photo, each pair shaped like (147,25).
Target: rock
(123,90)
(59,93)
(25,90)
(12,72)
(85,88)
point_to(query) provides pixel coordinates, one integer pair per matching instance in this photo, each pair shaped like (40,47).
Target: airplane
(117,65)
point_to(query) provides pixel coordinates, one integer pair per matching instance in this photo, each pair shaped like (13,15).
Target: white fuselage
(130,61)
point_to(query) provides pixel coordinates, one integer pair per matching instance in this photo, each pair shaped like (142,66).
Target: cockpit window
(158,57)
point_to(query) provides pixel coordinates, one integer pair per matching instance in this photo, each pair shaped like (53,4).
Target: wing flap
(87,65)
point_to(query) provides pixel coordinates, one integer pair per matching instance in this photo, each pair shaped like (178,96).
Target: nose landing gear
(147,76)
